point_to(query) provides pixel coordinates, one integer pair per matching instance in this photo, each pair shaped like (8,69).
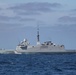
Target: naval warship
(48,46)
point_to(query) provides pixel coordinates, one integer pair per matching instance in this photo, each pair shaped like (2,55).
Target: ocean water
(38,64)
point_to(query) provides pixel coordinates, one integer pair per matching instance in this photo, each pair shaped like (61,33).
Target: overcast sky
(19,19)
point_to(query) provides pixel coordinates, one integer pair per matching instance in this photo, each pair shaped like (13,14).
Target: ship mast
(38,39)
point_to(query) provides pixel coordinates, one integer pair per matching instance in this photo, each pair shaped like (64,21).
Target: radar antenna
(38,39)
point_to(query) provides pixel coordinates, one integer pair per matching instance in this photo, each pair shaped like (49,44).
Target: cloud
(4,5)
(28,13)
(67,19)
(0,9)
(14,19)
(74,10)
(7,12)
(31,8)
(27,19)
(8,18)
(34,8)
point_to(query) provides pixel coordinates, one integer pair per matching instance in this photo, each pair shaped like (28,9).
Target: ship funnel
(38,39)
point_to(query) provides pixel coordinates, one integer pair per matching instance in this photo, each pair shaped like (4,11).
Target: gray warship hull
(33,51)
(43,49)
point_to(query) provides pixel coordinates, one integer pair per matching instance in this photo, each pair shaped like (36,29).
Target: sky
(19,20)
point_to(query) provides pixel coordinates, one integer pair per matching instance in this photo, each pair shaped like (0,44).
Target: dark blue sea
(38,64)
